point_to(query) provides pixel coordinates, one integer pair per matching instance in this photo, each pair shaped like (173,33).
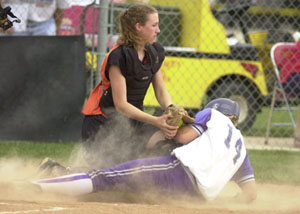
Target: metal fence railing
(216,48)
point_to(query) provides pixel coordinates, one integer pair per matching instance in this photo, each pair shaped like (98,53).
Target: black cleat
(51,168)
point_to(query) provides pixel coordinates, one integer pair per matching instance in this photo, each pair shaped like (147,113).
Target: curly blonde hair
(136,13)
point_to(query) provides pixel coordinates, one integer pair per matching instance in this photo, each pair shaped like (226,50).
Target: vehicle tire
(246,95)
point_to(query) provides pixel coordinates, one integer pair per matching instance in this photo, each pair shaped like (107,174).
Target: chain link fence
(216,48)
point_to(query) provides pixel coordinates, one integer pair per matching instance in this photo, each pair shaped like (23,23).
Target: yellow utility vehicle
(204,66)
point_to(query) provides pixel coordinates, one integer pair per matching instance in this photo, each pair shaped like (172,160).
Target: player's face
(150,30)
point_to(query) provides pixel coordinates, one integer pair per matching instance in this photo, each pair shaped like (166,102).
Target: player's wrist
(169,106)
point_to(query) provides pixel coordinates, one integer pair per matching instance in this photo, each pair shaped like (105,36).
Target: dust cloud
(120,140)
(16,174)
(15,177)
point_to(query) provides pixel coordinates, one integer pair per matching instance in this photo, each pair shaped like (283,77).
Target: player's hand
(168,130)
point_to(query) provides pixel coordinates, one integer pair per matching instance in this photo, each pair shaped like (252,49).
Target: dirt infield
(17,196)
(275,199)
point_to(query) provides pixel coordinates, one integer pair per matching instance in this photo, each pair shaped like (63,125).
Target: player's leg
(160,173)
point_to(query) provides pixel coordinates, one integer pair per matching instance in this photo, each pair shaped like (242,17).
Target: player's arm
(248,193)
(162,95)
(185,134)
(119,93)
(244,177)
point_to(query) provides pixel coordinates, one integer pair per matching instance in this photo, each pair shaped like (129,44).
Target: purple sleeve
(202,117)
(244,173)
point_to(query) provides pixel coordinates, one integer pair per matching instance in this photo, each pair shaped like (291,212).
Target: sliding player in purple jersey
(213,154)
